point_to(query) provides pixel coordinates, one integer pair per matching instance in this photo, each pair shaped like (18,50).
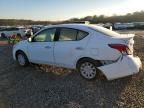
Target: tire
(88,68)
(3,35)
(22,59)
(19,35)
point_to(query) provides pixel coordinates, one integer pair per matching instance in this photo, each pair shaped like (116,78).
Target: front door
(42,47)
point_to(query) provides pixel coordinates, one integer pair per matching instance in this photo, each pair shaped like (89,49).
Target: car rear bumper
(126,66)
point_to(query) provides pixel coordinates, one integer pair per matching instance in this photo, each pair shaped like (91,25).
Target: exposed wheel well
(98,63)
(87,58)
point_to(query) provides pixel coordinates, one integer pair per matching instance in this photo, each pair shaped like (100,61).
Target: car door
(42,46)
(69,46)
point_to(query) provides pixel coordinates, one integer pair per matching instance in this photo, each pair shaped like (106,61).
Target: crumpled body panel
(126,66)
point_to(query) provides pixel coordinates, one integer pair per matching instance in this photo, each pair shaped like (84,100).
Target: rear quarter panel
(98,48)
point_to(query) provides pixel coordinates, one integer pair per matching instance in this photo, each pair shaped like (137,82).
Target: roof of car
(77,26)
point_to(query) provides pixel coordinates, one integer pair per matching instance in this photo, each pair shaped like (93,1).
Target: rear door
(71,42)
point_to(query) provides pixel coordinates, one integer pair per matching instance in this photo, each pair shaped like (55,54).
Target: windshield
(104,31)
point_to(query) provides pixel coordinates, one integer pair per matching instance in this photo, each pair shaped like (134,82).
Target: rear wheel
(88,68)
(22,59)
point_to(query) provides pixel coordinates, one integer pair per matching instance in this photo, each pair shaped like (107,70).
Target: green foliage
(130,17)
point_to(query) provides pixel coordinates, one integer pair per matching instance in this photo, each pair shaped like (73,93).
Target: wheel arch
(87,58)
(18,51)
(26,62)
(98,64)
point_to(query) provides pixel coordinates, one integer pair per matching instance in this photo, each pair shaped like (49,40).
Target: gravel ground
(30,88)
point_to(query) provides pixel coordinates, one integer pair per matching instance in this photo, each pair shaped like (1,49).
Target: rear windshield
(104,31)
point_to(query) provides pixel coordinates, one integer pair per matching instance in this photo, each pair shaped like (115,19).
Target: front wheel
(22,59)
(88,69)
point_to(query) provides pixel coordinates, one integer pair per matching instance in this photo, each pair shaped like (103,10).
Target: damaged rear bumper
(126,66)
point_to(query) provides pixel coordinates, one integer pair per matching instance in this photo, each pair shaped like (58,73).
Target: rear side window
(45,36)
(81,35)
(68,34)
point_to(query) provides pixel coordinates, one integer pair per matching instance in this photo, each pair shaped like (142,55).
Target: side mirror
(29,39)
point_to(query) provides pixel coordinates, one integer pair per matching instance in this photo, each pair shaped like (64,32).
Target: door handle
(47,47)
(79,48)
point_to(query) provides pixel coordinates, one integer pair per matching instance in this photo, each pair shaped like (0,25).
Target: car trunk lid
(128,40)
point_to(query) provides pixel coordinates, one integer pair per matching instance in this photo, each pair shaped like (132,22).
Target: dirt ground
(30,88)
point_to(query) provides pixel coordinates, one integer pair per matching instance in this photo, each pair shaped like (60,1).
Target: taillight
(120,47)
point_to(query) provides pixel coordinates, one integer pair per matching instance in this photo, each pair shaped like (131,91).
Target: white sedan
(8,32)
(88,48)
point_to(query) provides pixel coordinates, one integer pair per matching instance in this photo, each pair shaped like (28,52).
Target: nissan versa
(88,48)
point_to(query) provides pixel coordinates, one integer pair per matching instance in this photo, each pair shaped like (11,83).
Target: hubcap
(88,70)
(21,59)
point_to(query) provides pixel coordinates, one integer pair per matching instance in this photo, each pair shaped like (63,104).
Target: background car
(88,48)
(8,32)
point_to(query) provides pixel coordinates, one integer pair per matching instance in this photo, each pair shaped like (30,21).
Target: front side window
(45,36)
(68,34)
